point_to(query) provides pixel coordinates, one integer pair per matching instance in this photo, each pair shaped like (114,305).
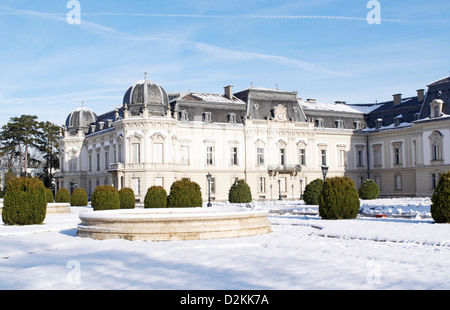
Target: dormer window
(207,117)
(358,125)
(319,123)
(184,116)
(398,120)
(232,118)
(379,123)
(339,124)
(436,108)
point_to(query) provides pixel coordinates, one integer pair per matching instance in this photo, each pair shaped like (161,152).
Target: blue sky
(322,49)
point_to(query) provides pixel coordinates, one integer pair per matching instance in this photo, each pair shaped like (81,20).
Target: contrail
(205,16)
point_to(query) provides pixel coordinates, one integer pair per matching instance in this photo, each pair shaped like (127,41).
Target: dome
(81,118)
(146,92)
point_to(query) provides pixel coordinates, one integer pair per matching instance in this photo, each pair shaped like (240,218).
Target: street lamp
(324,172)
(279,190)
(208,177)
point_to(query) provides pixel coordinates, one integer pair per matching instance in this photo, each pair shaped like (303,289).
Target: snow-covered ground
(302,252)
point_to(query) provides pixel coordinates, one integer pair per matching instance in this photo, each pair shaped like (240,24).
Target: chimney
(229,92)
(420,94)
(397,99)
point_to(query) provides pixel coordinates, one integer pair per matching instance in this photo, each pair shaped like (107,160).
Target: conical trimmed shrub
(339,199)
(440,207)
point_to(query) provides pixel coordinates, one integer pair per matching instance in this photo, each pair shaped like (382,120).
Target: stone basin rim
(130,215)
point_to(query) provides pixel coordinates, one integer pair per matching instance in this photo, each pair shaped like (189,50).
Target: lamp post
(279,190)
(324,172)
(208,177)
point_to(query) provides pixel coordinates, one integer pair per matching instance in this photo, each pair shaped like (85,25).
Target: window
(397,147)
(120,153)
(262,185)
(435,179)
(158,157)
(398,182)
(357,125)
(135,185)
(339,124)
(210,155)
(98,161)
(323,154)
(319,123)
(260,156)
(213,185)
(207,117)
(360,158)
(159,182)
(136,148)
(282,157)
(73,164)
(106,160)
(283,185)
(232,118)
(377,155)
(184,116)
(436,142)
(90,162)
(342,158)
(234,155)
(397,156)
(436,108)
(184,155)
(302,157)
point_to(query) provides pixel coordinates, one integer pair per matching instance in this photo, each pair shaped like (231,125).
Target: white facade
(273,140)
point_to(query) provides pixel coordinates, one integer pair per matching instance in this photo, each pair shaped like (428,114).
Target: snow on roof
(337,107)
(213,98)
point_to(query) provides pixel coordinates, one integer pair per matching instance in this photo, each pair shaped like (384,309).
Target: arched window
(436,144)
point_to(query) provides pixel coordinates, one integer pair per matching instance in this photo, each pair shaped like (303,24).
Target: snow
(405,250)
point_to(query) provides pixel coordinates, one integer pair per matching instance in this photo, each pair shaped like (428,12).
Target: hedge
(127,198)
(240,192)
(312,192)
(339,199)
(156,197)
(105,197)
(24,202)
(184,194)
(369,190)
(79,198)
(63,195)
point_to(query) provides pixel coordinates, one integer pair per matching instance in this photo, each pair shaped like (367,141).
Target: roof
(205,97)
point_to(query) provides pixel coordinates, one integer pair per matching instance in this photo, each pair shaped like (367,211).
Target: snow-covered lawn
(302,252)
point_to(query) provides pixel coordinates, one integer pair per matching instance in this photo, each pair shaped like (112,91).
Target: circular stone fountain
(172,224)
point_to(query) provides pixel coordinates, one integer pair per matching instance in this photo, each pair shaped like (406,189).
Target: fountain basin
(172,224)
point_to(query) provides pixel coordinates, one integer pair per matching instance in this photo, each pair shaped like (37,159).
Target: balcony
(293,170)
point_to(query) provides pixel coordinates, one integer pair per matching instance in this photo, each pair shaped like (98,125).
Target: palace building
(274,140)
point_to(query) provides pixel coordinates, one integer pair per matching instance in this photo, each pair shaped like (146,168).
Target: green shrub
(156,197)
(339,199)
(369,190)
(24,202)
(184,193)
(240,192)
(49,195)
(440,207)
(79,198)
(312,192)
(105,197)
(127,198)
(63,195)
